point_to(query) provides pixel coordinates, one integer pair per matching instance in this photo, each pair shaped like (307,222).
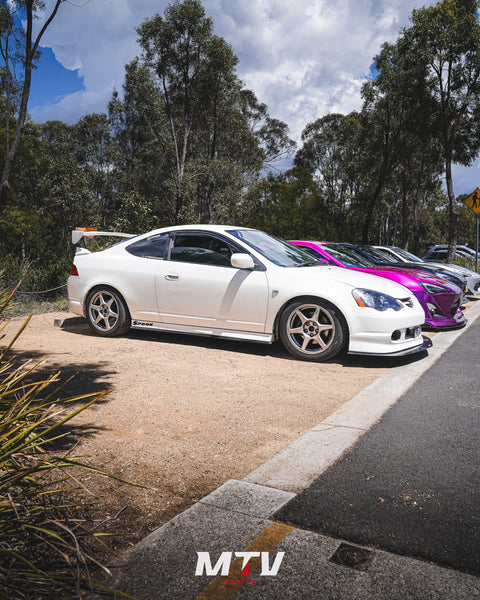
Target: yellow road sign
(473,202)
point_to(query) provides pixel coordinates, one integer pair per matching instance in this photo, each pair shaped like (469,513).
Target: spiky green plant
(43,536)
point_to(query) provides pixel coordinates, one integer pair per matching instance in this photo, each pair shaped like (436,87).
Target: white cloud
(303,59)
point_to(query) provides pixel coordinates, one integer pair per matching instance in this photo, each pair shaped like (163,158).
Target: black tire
(313,330)
(106,312)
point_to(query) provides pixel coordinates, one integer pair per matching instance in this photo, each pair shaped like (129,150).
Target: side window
(155,246)
(201,249)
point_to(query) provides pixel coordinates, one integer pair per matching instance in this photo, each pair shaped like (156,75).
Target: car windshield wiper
(316,263)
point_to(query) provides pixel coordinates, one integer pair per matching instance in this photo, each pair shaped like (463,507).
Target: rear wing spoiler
(81,235)
(89,232)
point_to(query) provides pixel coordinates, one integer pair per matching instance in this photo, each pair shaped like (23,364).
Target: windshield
(378,255)
(407,255)
(275,249)
(347,256)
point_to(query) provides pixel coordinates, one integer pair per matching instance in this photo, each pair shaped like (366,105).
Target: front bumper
(425,344)
(442,311)
(386,332)
(473,284)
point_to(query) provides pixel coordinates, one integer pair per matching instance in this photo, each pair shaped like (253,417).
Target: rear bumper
(76,308)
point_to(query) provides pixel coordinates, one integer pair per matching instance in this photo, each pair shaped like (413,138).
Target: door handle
(172,277)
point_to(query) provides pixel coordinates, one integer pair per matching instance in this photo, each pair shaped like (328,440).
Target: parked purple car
(439,298)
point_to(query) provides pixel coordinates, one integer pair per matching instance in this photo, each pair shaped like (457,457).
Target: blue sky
(303,59)
(52,81)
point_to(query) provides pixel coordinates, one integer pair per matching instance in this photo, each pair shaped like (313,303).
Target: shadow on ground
(76,386)
(275,350)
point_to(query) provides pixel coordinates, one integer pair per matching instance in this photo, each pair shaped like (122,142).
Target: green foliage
(442,48)
(30,250)
(187,143)
(466,225)
(135,215)
(43,550)
(185,121)
(290,205)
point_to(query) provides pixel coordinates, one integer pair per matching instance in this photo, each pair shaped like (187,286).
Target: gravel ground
(184,414)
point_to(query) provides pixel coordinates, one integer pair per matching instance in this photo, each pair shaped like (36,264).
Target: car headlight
(433,288)
(376,300)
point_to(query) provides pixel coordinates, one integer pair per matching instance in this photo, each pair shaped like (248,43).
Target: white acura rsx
(244,284)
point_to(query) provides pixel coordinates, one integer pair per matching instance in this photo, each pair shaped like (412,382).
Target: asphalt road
(411,485)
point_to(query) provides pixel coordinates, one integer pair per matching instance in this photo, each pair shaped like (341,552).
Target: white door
(199,287)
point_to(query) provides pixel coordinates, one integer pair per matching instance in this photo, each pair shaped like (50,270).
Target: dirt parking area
(184,414)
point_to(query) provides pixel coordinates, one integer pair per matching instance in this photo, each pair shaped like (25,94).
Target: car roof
(200,226)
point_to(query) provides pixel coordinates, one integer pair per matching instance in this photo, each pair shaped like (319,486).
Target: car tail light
(74,271)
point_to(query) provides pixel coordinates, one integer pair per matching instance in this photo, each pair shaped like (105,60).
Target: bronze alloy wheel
(106,312)
(312,330)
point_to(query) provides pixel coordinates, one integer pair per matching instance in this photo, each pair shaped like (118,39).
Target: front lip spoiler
(461,325)
(425,345)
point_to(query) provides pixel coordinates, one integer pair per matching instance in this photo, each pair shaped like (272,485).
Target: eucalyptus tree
(99,158)
(291,205)
(146,154)
(189,67)
(63,191)
(329,147)
(11,36)
(403,162)
(25,57)
(272,134)
(442,47)
(185,119)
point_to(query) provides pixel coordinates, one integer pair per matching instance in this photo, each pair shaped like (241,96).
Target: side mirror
(242,261)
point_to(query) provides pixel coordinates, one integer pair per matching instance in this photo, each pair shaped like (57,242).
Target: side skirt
(264,338)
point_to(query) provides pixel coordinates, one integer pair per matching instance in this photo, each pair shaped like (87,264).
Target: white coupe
(243,284)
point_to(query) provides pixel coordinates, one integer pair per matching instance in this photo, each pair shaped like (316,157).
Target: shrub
(43,537)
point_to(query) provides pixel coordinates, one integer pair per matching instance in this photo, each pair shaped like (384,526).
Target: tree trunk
(369,216)
(453,220)
(30,52)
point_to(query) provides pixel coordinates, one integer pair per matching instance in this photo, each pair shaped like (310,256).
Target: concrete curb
(69,322)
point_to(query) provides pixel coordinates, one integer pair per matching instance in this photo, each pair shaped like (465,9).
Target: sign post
(473,203)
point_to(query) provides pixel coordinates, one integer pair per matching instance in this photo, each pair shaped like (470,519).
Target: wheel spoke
(318,338)
(306,341)
(299,314)
(107,313)
(296,330)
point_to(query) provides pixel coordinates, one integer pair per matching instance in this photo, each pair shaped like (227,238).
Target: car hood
(411,278)
(354,279)
(456,268)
